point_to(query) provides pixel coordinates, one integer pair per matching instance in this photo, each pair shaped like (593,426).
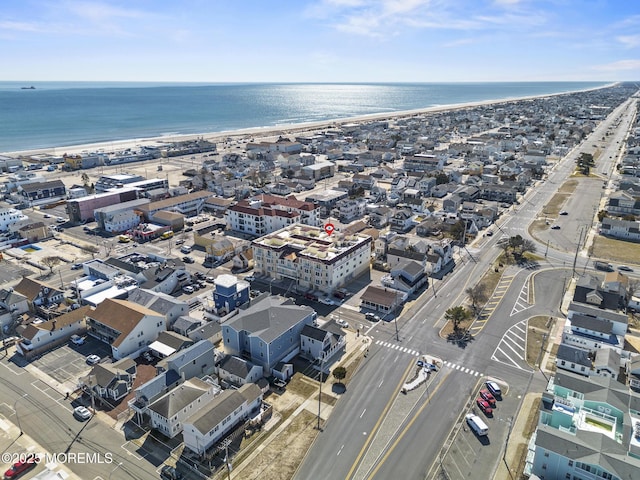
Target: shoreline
(284,129)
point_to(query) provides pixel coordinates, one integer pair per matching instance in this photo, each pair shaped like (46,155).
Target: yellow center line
(379,422)
(406,429)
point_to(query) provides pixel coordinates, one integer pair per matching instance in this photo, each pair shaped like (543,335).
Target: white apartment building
(265,214)
(311,258)
(9,216)
(119,217)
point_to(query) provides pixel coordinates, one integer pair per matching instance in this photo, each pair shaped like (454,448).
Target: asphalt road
(420,443)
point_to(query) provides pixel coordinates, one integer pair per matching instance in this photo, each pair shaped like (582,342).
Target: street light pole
(15,409)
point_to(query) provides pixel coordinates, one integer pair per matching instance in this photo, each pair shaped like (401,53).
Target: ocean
(58,114)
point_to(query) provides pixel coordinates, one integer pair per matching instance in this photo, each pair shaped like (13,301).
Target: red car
(19,468)
(484,406)
(339,295)
(310,296)
(486,395)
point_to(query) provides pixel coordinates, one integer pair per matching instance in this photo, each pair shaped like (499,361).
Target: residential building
(312,259)
(169,307)
(126,327)
(119,217)
(33,232)
(188,205)
(622,229)
(111,382)
(267,332)
(265,214)
(229,292)
(238,371)
(587,429)
(10,216)
(169,343)
(43,192)
(168,412)
(383,300)
(320,344)
(226,412)
(117,180)
(574,359)
(38,294)
(194,361)
(37,338)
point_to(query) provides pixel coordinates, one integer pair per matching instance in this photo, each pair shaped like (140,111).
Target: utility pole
(575,258)
(15,409)
(546,250)
(320,394)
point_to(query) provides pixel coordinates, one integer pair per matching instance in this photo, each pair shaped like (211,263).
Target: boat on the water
(28,88)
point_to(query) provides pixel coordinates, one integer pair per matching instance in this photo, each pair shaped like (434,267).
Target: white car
(342,323)
(82,413)
(77,340)
(93,359)
(327,301)
(249,278)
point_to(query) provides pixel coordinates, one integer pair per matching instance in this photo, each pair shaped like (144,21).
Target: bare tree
(51,262)
(477,294)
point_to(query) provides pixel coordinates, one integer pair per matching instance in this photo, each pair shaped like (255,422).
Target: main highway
(374,432)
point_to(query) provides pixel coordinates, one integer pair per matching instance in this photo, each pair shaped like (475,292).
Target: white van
(185,249)
(494,388)
(476,424)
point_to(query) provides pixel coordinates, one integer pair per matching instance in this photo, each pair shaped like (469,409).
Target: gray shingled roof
(236,366)
(222,406)
(270,318)
(178,398)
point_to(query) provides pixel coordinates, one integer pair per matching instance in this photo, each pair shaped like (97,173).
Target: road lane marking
(381,382)
(385,411)
(406,429)
(363,412)
(340,451)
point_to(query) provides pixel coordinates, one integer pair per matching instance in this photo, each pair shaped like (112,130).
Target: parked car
(494,388)
(188,259)
(327,301)
(20,467)
(46,215)
(77,339)
(185,249)
(625,268)
(93,359)
(200,276)
(60,220)
(555,227)
(486,395)
(210,279)
(339,294)
(170,473)
(342,323)
(564,212)
(279,383)
(310,296)
(372,317)
(82,413)
(484,406)
(188,289)
(76,266)
(250,278)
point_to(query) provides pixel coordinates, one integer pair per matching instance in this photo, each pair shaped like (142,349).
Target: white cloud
(629,41)
(629,64)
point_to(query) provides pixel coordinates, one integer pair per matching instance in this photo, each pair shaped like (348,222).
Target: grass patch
(490,281)
(537,339)
(300,387)
(522,448)
(280,459)
(328,399)
(615,250)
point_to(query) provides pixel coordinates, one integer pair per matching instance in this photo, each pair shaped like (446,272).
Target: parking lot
(68,362)
(473,456)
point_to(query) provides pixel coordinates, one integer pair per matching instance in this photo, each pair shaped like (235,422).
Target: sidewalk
(25,444)
(517,438)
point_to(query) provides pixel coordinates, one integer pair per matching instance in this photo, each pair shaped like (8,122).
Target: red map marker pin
(329,228)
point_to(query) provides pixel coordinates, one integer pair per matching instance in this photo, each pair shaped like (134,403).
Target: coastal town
(226,306)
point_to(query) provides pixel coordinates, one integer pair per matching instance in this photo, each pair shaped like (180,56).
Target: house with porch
(320,344)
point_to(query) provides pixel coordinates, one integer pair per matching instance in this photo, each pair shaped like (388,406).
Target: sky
(320,40)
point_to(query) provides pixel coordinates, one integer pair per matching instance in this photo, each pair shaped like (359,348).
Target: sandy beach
(262,133)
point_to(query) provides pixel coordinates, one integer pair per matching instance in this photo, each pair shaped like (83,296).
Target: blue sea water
(57,114)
